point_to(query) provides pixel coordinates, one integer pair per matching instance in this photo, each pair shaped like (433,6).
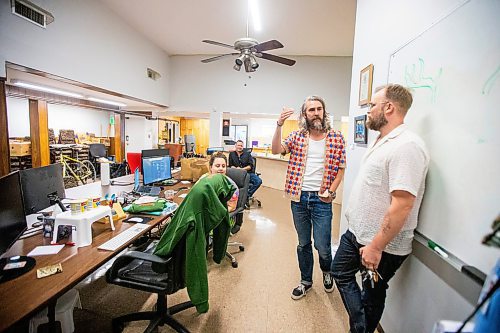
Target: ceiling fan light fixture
(240,60)
(253,62)
(237,67)
(248,66)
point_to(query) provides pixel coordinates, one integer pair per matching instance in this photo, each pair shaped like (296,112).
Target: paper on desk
(145,200)
(45,250)
(183,195)
(185,182)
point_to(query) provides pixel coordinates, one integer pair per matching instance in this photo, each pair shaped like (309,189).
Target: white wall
(140,133)
(18,117)
(381,27)
(196,86)
(81,120)
(87,42)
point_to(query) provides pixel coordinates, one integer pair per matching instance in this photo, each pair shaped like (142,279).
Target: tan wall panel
(200,128)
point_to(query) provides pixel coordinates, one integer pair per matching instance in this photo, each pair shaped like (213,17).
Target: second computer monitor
(156,169)
(40,183)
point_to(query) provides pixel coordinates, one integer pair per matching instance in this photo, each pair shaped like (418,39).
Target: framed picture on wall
(365,85)
(225,127)
(360,131)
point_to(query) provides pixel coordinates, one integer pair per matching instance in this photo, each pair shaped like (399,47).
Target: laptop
(144,189)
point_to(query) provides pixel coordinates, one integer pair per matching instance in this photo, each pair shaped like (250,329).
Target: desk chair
(96,151)
(145,271)
(242,180)
(134,161)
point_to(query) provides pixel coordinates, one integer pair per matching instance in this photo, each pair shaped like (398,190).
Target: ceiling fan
(249,50)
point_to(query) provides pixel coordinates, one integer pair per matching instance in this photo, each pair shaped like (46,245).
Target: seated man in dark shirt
(243,160)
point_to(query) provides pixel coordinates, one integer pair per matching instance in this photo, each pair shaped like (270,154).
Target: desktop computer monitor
(156,169)
(12,218)
(155,153)
(212,150)
(12,225)
(38,184)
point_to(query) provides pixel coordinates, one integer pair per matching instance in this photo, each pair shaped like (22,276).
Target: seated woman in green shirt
(218,164)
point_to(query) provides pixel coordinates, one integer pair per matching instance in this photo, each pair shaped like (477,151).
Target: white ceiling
(304,27)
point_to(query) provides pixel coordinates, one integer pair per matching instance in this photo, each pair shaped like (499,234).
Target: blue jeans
(312,214)
(365,306)
(254,185)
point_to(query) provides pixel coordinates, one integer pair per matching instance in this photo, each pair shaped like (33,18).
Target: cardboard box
(20,148)
(105,141)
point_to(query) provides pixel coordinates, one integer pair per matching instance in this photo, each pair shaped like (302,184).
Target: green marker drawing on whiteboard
(417,80)
(488,85)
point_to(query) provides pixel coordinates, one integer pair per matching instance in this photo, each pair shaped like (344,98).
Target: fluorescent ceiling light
(45,89)
(254,11)
(106,101)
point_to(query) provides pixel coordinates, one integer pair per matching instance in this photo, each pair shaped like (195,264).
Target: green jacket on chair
(202,210)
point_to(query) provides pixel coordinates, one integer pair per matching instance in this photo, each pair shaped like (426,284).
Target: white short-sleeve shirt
(399,161)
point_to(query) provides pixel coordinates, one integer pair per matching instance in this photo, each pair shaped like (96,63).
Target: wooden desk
(26,295)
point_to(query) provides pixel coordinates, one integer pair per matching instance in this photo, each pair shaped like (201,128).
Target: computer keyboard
(122,238)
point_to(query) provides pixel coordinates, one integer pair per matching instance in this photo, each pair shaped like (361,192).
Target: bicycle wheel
(69,182)
(87,172)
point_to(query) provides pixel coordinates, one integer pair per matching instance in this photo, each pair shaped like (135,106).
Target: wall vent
(31,12)
(152,74)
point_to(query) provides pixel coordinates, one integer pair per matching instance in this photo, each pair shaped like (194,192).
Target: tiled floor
(255,297)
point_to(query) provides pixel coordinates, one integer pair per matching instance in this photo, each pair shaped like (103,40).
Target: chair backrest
(97,150)
(242,180)
(134,161)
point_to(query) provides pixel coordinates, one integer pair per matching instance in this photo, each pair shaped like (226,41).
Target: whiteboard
(453,68)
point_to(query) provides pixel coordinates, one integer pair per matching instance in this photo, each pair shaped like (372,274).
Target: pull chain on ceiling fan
(248,50)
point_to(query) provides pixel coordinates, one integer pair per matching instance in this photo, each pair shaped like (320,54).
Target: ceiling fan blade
(269,45)
(281,60)
(218,57)
(218,43)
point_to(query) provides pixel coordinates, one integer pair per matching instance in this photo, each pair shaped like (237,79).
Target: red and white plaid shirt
(297,144)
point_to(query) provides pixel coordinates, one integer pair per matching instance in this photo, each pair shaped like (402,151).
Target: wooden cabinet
(175,150)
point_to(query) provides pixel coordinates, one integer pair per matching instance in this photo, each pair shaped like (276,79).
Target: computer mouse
(135,219)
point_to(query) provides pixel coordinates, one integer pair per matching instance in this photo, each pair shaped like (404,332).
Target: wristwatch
(332,194)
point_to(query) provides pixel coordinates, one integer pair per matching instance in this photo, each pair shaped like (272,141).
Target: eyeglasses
(372,105)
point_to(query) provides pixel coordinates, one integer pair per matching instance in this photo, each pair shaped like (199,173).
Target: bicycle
(75,172)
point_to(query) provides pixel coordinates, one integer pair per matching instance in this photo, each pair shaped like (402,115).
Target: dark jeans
(312,214)
(365,306)
(254,185)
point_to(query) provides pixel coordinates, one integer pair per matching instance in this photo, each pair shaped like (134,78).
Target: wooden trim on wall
(39,132)
(78,84)
(4,132)
(118,141)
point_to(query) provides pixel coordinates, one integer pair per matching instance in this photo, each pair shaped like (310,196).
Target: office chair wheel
(234,264)
(242,248)
(118,327)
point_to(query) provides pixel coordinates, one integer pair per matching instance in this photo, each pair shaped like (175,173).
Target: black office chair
(242,180)
(154,274)
(97,150)
(252,199)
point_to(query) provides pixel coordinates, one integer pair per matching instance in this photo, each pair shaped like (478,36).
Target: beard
(315,124)
(377,122)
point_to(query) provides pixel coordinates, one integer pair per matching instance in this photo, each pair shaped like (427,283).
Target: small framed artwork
(365,85)
(360,131)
